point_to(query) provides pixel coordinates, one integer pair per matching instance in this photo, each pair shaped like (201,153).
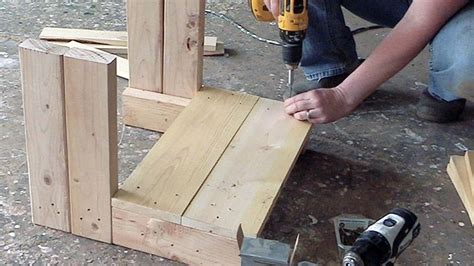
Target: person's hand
(274,7)
(319,106)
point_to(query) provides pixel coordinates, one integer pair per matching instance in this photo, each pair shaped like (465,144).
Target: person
(338,82)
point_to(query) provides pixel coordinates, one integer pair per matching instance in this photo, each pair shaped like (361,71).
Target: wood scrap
(458,170)
(114,42)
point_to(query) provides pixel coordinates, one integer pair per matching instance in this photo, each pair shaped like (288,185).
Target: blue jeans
(329,48)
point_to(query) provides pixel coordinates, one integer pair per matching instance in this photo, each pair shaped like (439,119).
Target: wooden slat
(151,110)
(246,181)
(113,49)
(469,157)
(458,173)
(172,241)
(43,99)
(93,36)
(145,44)
(174,170)
(91,114)
(183,47)
(122,63)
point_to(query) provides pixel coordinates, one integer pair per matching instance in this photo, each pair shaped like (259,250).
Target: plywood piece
(93,36)
(174,170)
(42,78)
(469,157)
(91,114)
(122,63)
(145,44)
(151,110)
(183,47)
(458,173)
(244,185)
(173,241)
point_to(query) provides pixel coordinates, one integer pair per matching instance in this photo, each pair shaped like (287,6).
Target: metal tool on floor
(293,23)
(385,240)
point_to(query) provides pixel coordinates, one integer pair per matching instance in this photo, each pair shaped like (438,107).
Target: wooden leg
(145,44)
(183,47)
(150,110)
(42,76)
(91,114)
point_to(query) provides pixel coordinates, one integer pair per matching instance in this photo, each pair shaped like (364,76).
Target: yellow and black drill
(293,23)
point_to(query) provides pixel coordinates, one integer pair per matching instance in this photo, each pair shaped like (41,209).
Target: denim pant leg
(329,48)
(452,58)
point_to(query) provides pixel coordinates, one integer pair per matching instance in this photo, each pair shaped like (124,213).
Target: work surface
(379,158)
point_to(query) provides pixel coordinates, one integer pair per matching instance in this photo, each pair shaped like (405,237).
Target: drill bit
(291,76)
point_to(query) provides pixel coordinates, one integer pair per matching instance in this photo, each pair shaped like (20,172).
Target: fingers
(274,7)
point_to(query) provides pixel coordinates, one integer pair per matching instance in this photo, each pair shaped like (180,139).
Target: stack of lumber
(114,42)
(461,172)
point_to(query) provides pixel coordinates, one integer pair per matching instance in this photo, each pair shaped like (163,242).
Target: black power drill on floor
(385,240)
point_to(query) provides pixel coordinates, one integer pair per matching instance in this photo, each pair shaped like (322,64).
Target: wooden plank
(244,185)
(174,170)
(145,44)
(122,63)
(458,173)
(91,114)
(172,241)
(151,110)
(42,78)
(183,47)
(469,157)
(93,36)
(113,49)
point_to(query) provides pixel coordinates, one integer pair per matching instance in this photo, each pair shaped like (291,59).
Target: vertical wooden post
(91,114)
(183,47)
(43,99)
(145,44)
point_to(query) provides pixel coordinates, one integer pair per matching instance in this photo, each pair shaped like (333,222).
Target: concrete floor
(379,158)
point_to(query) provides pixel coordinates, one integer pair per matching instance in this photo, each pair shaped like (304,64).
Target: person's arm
(422,21)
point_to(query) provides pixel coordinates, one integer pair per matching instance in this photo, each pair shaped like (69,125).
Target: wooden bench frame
(70,102)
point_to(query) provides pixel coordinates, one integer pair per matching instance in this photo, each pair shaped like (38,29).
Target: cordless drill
(385,240)
(293,23)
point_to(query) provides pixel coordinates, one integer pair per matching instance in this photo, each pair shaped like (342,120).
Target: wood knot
(47,180)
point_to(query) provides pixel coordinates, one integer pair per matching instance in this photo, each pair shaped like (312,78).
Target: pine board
(469,156)
(42,78)
(91,114)
(173,241)
(151,110)
(145,44)
(458,173)
(118,38)
(183,47)
(244,185)
(171,174)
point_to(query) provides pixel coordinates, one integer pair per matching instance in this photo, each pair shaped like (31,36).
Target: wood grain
(172,241)
(91,114)
(151,110)
(458,173)
(93,36)
(174,170)
(145,44)
(469,157)
(122,63)
(183,47)
(244,185)
(42,78)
